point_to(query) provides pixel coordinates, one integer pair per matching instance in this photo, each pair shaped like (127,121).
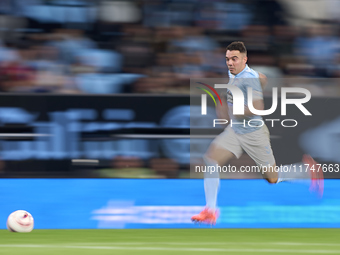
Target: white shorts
(256,144)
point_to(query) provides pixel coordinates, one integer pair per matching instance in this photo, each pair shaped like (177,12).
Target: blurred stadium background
(95,110)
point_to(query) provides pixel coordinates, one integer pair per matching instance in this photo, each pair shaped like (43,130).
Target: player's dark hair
(237,46)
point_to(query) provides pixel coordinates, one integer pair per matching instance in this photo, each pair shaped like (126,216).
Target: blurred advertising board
(137,203)
(44,133)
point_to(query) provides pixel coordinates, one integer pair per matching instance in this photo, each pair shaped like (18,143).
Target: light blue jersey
(246,78)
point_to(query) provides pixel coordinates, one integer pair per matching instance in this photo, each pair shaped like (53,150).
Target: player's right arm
(222,111)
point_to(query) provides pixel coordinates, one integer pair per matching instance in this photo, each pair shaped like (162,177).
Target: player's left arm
(263,80)
(257,95)
(258,105)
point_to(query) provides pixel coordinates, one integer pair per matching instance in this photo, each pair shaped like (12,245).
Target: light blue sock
(211,184)
(293,173)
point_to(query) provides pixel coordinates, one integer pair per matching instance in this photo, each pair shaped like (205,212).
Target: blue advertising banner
(138,203)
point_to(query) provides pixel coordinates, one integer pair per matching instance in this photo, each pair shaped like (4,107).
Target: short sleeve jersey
(246,78)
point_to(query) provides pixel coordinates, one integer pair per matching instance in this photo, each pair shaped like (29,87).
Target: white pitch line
(211,243)
(250,250)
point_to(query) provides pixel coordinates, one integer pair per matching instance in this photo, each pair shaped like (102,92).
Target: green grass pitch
(171,241)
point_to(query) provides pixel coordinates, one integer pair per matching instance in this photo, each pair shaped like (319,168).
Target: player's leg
(270,174)
(316,174)
(215,156)
(221,150)
(225,147)
(257,146)
(306,171)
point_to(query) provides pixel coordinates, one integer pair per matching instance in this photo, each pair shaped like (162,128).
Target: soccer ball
(20,221)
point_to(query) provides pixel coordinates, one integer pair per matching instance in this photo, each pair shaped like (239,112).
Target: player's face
(236,61)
